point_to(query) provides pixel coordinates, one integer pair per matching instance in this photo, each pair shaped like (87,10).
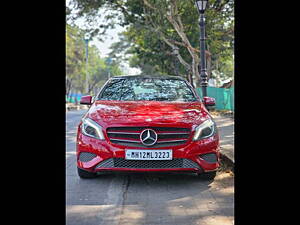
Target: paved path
(225,125)
(143,198)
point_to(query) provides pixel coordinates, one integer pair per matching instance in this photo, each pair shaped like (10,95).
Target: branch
(149,5)
(180,32)
(176,14)
(185,45)
(181,60)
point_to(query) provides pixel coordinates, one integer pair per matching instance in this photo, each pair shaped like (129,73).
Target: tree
(155,28)
(74,57)
(76,63)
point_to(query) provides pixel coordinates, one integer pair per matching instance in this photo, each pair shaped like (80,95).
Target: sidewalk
(72,106)
(225,125)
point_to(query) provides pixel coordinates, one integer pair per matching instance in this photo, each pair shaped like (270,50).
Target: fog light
(209,157)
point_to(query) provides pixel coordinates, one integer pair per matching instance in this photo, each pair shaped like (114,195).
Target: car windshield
(147,89)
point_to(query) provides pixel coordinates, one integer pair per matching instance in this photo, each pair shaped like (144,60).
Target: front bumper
(107,156)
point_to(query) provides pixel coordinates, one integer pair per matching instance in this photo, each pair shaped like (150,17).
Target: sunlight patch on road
(178,200)
(129,213)
(216,220)
(226,191)
(70,154)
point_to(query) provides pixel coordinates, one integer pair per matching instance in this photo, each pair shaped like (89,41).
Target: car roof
(149,76)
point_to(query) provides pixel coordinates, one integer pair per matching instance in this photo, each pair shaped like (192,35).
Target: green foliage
(76,63)
(142,43)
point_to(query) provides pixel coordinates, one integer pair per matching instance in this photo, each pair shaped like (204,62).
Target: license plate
(132,154)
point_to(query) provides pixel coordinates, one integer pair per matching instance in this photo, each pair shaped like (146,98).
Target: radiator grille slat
(157,145)
(177,129)
(130,136)
(148,164)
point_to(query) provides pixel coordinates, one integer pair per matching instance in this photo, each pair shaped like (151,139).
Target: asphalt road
(143,198)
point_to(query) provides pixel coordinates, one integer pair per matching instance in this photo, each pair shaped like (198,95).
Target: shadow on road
(151,198)
(146,198)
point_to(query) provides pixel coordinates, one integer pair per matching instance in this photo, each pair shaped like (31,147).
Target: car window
(112,90)
(137,89)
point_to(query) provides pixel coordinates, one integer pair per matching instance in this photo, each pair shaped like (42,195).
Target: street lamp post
(201,6)
(86,38)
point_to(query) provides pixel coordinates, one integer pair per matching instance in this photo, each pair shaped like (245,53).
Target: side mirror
(86,100)
(208,101)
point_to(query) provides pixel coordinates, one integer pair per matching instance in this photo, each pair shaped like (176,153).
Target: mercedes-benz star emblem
(148,137)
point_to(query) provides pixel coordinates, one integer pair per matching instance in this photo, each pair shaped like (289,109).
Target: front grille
(86,156)
(147,164)
(166,136)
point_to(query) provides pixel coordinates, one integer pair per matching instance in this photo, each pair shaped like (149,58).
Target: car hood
(108,113)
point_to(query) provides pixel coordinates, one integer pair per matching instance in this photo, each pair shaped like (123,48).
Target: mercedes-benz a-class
(147,124)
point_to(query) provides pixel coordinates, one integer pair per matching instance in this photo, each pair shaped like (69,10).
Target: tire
(208,175)
(85,174)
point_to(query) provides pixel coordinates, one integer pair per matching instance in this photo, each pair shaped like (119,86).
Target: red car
(147,124)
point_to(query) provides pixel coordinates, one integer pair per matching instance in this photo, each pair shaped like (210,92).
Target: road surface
(141,198)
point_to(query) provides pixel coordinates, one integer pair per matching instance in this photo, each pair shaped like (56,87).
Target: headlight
(92,129)
(205,130)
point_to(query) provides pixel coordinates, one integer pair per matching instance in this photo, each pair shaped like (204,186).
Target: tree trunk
(69,86)
(191,79)
(208,64)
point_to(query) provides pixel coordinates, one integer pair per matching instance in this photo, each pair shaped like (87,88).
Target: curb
(226,163)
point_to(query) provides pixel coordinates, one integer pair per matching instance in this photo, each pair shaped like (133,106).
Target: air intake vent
(86,156)
(147,164)
(209,157)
